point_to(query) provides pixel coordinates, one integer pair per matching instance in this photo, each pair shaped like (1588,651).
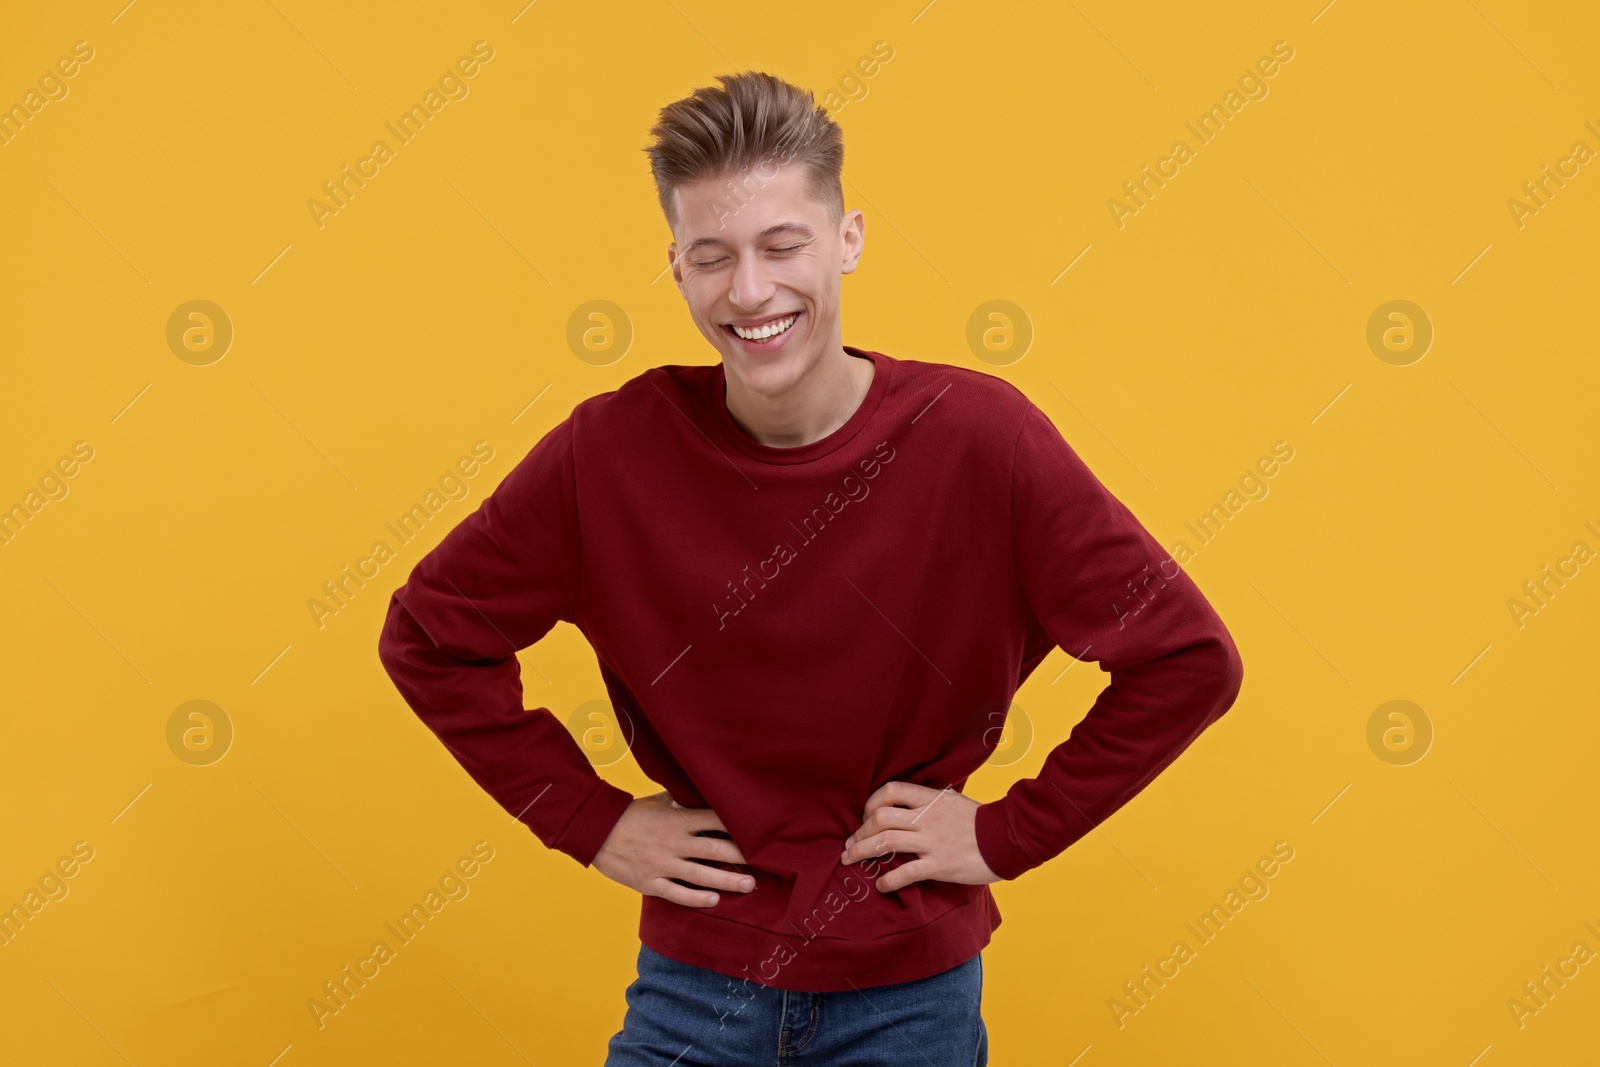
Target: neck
(809,410)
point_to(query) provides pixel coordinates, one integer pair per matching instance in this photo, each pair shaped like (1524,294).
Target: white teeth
(766,331)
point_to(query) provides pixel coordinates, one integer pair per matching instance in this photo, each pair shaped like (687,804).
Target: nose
(752,285)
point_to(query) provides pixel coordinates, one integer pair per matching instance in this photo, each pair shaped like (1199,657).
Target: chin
(771,375)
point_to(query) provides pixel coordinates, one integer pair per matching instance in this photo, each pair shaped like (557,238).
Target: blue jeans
(686,1016)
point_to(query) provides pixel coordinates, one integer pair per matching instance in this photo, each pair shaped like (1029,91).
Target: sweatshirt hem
(754,955)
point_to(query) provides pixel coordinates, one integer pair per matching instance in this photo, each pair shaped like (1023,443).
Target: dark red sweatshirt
(787,629)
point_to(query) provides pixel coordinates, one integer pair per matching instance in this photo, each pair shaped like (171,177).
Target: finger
(714,878)
(904,875)
(875,846)
(887,817)
(898,793)
(711,878)
(680,894)
(880,796)
(713,848)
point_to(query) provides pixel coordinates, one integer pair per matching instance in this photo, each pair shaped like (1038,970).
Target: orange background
(238,861)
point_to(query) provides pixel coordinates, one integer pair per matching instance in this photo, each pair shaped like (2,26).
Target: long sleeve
(496,583)
(1103,590)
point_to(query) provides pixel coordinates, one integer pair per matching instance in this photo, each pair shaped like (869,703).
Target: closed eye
(709,263)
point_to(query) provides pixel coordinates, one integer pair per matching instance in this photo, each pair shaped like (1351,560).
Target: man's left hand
(938,825)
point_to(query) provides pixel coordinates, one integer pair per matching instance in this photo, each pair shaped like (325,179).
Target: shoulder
(971,403)
(643,395)
(980,385)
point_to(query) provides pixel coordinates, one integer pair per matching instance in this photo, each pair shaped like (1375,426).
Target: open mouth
(769,335)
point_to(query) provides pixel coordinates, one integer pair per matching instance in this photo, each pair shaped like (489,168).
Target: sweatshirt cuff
(593,822)
(997,845)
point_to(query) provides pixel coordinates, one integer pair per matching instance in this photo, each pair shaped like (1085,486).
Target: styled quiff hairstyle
(755,121)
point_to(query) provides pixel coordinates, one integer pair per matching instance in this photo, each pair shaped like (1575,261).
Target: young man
(813,576)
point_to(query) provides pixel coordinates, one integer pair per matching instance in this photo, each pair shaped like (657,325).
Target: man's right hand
(656,841)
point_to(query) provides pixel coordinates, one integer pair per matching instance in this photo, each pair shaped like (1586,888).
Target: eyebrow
(799,229)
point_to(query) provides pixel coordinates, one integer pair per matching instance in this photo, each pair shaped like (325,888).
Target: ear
(677,268)
(853,238)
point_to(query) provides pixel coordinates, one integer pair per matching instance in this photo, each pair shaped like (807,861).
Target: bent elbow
(1225,674)
(398,637)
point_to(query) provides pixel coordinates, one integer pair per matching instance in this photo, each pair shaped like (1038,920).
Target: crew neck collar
(883,367)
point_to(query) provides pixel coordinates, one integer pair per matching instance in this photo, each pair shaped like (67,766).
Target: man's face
(756,253)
